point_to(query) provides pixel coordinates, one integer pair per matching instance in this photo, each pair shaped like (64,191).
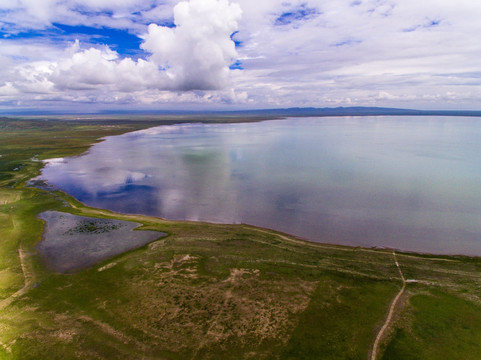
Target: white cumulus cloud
(193,55)
(197,52)
(402,53)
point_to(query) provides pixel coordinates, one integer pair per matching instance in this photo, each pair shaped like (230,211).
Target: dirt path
(5,347)
(391,311)
(380,335)
(28,281)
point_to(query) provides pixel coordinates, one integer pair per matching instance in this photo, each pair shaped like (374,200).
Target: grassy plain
(211,291)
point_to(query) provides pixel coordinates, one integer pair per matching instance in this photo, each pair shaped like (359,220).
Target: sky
(154,55)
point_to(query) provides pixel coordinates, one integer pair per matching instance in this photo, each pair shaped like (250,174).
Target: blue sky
(94,55)
(121,40)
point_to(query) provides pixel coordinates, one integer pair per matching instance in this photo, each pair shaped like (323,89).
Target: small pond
(72,242)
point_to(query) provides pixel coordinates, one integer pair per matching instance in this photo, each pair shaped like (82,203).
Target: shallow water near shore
(72,242)
(410,183)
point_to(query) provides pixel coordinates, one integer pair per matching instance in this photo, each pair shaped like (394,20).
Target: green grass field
(211,291)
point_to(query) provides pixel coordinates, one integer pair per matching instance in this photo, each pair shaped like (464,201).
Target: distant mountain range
(262,113)
(311,111)
(352,111)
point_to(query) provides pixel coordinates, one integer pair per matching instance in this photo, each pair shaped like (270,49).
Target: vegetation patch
(94,226)
(439,326)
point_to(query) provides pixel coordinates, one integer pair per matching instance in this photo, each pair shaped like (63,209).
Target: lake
(410,183)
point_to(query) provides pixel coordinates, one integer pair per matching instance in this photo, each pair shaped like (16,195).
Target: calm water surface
(72,242)
(411,183)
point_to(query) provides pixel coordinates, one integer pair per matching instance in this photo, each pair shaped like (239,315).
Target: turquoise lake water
(410,183)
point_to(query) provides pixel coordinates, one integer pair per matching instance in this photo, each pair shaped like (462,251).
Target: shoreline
(287,236)
(298,237)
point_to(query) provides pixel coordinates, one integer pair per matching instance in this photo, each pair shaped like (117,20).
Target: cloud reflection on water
(410,183)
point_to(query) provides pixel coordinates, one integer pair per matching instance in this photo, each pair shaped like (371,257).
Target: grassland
(211,291)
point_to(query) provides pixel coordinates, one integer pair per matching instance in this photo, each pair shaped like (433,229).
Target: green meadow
(209,291)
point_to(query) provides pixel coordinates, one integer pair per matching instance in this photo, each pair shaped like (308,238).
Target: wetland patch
(72,242)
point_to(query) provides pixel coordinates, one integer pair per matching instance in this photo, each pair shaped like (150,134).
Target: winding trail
(391,311)
(380,335)
(28,282)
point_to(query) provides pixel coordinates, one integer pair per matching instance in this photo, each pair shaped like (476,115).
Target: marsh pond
(410,183)
(71,242)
